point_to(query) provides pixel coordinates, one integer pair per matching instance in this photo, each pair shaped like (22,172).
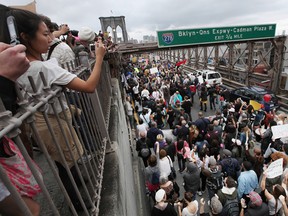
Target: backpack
(231,207)
(144,152)
(230,169)
(155,178)
(215,181)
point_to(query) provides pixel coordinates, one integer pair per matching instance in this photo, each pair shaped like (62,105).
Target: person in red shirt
(193,91)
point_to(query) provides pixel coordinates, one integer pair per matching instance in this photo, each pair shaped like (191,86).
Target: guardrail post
(250,61)
(278,62)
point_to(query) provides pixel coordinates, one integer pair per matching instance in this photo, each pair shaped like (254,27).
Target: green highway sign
(171,38)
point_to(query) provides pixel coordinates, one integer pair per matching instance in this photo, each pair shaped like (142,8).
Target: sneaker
(85,159)
(199,193)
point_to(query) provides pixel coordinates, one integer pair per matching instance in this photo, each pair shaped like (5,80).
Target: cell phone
(11,23)
(92,47)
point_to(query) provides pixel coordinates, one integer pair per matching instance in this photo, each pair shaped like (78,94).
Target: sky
(147,16)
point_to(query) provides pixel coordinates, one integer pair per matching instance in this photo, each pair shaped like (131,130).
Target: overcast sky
(147,16)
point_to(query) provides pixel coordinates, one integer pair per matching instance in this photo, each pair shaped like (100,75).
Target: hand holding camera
(64,29)
(100,49)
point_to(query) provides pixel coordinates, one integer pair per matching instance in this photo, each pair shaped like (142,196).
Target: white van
(209,77)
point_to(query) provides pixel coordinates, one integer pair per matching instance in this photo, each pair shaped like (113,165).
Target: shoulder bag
(172,175)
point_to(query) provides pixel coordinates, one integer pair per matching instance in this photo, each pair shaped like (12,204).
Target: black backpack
(145,151)
(231,207)
(230,169)
(215,181)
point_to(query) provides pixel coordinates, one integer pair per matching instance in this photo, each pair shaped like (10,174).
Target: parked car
(254,93)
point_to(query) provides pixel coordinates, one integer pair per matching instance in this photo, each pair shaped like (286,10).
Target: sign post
(172,38)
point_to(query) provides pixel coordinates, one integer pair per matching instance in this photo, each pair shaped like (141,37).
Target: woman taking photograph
(34,34)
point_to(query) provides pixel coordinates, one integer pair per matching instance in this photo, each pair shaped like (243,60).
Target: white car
(209,77)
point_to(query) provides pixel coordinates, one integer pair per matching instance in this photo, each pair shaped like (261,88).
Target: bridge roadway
(194,114)
(282,99)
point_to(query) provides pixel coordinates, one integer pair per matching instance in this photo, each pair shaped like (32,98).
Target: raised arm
(91,84)
(263,187)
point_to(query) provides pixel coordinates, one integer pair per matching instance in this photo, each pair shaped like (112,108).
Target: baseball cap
(227,152)
(86,34)
(159,196)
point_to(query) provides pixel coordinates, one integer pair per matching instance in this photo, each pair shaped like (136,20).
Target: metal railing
(88,116)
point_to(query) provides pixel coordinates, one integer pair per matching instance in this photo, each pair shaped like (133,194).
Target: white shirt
(139,105)
(53,74)
(146,117)
(185,211)
(141,128)
(62,52)
(156,94)
(136,89)
(129,108)
(145,93)
(164,167)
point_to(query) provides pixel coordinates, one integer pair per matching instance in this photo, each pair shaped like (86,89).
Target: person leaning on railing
(13,63)
(35,36)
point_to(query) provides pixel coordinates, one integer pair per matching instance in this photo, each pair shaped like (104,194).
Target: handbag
(172,175)
(18,171)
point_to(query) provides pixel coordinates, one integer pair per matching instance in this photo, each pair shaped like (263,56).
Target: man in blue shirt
(247,181)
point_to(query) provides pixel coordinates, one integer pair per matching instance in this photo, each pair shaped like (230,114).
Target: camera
(92,47)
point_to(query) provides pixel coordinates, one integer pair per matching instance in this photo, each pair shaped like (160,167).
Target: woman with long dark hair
(35,35)
(274,203)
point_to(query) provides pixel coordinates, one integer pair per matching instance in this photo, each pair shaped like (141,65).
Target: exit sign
(171,38)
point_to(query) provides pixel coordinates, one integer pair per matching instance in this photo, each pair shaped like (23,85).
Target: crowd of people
(41,49)
(223,159)
(217,156)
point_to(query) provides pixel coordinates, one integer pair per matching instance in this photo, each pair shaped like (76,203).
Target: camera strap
(52,48)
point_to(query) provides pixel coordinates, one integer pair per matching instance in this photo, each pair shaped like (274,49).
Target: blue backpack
(155,178)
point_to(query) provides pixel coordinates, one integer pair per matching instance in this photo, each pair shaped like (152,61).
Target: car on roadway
(254,93)
(209,76)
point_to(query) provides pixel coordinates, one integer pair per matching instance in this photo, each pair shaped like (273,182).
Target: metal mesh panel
(86,119)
